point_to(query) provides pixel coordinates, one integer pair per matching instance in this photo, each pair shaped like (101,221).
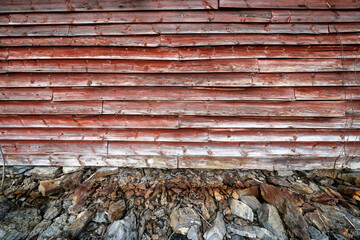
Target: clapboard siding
(240,16)
(202,84)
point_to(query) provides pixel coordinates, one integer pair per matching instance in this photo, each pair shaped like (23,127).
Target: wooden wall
(265,84)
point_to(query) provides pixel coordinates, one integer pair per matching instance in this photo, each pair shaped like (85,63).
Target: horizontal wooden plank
(271,164)
(224,108)
(243,149)
(353,107)
(25,94)
(100,134)
(263,16)
(273,122)
(180,135)
(291,4)
(93,5)
(173,94)
(20,80)
(327,93)
(175,28)
(274,163)
(308,65)
(185,40)
(91,160)
(191,66)
(200,53)
(280,135)
(122,66)
(54,147)
(45,107)
(88,121)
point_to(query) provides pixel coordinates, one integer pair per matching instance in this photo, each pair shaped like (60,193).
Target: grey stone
(18,224)
(182,219)
(124,229)
(41,227)
(251,201)
(80,222)
(56,229)
(100,217)
(67,170)
(252,232)
(241,209)
(193,233)
(285,173)
(5,207)
(15,170)
(217,230)
(52,212)
(45,172)
(106,171)
(271,220)
(315,234)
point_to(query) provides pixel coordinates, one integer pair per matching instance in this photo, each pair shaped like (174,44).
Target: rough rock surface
(181,204)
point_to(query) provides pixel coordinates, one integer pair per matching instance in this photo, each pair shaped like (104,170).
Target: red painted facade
(181,83)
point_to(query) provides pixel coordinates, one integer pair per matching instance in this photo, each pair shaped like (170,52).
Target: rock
(314,187)
(18,224)
(49,187)
(284,201)
(250,191)
(240,209)
(56,229)
(72,181)
(316,234)
(182,219)
(52,212)
(117,210)
(285,173)
(67,170)
(352,178)
(252,232)
(124,229)
(83,191)
(45,172)
(193,233)
(217,230)
(270,219)
(15,170)
(41,227)
(106,171)
(5,207)
(301,188)
(100,217)
(251,201)
(80,222)
(278,181)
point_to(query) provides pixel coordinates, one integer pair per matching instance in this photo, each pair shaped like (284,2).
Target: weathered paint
(265,84)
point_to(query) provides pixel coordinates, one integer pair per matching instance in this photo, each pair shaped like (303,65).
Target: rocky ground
(122,203)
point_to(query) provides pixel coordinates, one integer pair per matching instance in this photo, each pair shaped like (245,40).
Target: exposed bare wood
(92,160)
(173,94)
(185,40)
(88,121)
(180,135)
(242,149)
(54,147)
(122,66)
(45,107)
(25,94)
(265,122)
(93,5)
(278,16)
(201,53)
(224,108)
(175,28)
(291,4)
(185,80)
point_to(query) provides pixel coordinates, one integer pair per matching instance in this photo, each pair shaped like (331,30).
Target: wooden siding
(176,84)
